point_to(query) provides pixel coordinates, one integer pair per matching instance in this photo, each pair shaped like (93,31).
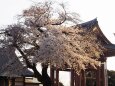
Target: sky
(103,10)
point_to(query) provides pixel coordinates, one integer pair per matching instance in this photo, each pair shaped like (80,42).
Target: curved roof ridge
(89,24)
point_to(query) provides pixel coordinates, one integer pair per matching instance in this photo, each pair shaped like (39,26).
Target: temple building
(90,76)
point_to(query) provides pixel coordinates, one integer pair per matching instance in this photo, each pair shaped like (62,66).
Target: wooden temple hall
(91,76)
(88,77)
(12,72)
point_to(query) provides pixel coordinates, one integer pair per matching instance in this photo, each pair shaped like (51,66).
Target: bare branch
(24,56)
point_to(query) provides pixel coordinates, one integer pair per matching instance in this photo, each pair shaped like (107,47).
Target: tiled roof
(10,65)
(110,48)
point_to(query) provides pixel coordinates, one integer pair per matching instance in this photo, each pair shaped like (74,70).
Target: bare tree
(42,37)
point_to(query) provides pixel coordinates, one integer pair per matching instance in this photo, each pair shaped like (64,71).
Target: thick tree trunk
(44,78)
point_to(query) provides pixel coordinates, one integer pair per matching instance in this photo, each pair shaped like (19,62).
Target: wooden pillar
(57,77)
(103,76)
(92,82)
(78,79)
(13,82)
(72,78)
(52,75)
(6,81)
(98,77)
(24,81)
(83,83)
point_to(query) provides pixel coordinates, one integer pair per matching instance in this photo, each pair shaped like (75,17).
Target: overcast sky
(88,9)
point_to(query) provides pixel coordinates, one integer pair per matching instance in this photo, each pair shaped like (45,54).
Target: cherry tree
(43,35)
